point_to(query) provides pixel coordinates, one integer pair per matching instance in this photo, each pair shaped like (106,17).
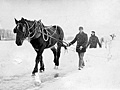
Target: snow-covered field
(100,73)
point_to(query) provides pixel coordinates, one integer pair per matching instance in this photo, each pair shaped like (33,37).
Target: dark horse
(41,37)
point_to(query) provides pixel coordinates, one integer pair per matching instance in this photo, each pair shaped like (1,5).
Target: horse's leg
(35,71)
(41,62)
(54,52)
(38,59)
(106,44)
(109,51)
(36,65)
(58,56)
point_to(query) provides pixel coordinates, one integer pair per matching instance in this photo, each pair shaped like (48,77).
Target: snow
(101,72)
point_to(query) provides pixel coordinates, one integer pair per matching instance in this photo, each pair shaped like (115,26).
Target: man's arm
(98,42)
(73,41)
(85,42)
(89,42)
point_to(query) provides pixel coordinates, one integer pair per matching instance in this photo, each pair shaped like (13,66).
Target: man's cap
(80,27)
(93,31)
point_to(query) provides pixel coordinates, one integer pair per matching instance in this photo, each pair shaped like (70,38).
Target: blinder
(21,30)
(15,30)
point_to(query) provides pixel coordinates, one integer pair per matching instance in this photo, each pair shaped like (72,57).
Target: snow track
(100,73)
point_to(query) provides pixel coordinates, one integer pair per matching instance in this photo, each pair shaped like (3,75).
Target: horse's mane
(27,20)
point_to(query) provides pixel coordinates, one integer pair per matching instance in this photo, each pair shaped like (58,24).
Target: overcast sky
(99,15)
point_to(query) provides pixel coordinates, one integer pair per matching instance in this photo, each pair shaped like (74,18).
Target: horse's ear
(16,21)
(39,20)
(22,18)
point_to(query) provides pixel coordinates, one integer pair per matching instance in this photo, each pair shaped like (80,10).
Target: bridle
(29,31)
(23,32)
(26,32)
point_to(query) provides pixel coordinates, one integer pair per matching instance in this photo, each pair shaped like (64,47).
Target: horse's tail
(61,37)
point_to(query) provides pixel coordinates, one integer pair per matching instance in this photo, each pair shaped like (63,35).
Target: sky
(102,16)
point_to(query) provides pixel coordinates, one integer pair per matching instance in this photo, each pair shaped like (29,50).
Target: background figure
(107,40)
(93,40)
(82,40)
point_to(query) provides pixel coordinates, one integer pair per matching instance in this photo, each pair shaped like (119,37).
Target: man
(82,40)
(93,40)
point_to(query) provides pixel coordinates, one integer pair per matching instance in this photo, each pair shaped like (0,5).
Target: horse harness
(39,29)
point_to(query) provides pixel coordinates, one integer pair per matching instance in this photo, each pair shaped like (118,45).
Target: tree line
(6,34)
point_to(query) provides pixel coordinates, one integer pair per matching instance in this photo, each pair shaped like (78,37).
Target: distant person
(93,40)
(82,40)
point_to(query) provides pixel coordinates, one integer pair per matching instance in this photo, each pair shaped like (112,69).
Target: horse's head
(101,40)
(113,36)
(21,31)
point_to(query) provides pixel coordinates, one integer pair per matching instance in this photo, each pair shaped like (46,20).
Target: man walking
(82,40)
(93,40)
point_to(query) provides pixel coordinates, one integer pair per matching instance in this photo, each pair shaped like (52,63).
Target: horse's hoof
(56,67)
(34,71)
(37,83)
(42,70)
(79,68)
(37,79)
(56,75)
(33,74)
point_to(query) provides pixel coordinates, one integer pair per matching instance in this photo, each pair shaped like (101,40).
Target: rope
(54,38)
(43,34)
(73,50)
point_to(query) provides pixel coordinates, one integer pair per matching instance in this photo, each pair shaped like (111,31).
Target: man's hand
(68,44)
(81,47)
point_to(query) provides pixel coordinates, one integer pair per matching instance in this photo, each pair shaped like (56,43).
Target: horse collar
(33,32)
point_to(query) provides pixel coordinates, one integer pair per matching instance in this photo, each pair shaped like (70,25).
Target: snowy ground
(100,73)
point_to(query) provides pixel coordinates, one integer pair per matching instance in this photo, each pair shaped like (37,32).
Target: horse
(41,37)
(107,40)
